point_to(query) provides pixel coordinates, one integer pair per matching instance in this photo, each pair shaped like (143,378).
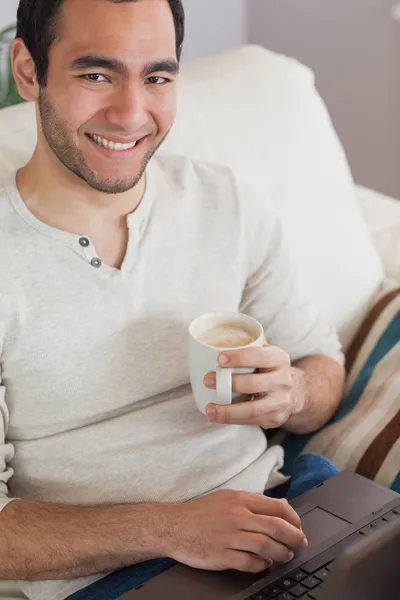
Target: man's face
(111,83)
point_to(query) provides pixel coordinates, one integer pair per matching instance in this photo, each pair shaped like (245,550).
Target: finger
(246,562)
(279,530)
(264,546)
(258,383)
(249,412)
(262,383)
(266,357)
(275,420)
(273,507)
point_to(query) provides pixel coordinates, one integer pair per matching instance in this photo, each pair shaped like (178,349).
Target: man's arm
(296,329)
(42,541)
(301,397)
(317,392)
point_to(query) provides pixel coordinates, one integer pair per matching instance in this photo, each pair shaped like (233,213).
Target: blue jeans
(309,470)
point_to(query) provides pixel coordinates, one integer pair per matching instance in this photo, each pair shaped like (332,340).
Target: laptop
(353,528)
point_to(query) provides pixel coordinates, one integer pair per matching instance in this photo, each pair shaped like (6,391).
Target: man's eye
(158,80)
(94,78)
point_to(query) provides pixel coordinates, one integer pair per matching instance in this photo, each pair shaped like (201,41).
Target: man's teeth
(112,145)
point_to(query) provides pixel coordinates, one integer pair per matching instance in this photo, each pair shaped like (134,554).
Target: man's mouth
(116,146)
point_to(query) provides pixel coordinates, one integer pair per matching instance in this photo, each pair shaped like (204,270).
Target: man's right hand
(234,530)
(224,530)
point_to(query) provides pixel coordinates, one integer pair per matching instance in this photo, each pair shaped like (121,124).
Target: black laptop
(353,528)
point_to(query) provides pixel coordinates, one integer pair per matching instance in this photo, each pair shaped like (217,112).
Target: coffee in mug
(227,335)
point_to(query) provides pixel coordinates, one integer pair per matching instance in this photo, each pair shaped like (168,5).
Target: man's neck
(62,200)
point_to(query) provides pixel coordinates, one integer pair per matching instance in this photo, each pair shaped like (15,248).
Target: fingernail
(209,381)
(290,556)
(269,562)
(223,359)
(305,543)
(211,412)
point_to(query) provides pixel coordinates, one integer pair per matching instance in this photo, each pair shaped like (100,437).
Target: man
(107,254)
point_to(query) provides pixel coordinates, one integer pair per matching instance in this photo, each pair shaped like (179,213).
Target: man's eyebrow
(117,66)
(98,62)
(168,66)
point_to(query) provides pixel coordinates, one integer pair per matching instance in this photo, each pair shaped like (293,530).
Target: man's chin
(112,185)
(106,179)
(106,183)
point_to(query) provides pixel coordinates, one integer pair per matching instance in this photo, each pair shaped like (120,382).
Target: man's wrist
(317,392)
(153,538)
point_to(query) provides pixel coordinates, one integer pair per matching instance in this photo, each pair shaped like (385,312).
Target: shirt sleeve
(6,450)
(276,293)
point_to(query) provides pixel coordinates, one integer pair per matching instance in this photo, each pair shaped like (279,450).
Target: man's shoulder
(179,170)
(6,209)
(9,220)
(215,182)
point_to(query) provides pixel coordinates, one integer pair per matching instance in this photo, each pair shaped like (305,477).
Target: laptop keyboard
(298,584)
(307,582)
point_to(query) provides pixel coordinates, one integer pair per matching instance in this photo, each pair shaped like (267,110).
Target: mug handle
(224,386)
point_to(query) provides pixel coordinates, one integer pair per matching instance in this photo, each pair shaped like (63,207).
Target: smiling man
(108,472)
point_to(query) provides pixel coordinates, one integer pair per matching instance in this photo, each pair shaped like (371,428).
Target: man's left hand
(272,399)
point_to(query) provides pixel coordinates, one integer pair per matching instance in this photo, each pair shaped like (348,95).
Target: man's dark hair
(37,22)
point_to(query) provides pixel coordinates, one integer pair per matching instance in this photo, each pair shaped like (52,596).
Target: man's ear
(24,71)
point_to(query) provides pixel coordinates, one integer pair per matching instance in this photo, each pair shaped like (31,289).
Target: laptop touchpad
(319,525)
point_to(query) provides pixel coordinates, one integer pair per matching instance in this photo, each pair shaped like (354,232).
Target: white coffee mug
(203,358)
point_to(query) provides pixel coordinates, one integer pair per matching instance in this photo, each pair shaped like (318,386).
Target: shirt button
(84,242)
(96,262)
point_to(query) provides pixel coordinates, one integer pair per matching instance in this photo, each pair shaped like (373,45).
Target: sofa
(260,113)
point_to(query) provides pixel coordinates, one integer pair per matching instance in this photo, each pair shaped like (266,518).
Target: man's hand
(233,530)
(270,389)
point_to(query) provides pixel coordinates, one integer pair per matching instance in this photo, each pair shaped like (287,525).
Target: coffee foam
(227,336)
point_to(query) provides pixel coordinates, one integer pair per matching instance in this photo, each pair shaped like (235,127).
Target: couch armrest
(382,215)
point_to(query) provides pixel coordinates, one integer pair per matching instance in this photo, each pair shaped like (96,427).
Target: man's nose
(128,109)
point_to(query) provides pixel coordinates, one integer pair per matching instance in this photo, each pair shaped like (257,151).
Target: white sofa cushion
(260,114)
(383,217)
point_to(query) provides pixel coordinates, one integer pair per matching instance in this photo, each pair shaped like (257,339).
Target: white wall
(8,9)
(212,25)
(353,46)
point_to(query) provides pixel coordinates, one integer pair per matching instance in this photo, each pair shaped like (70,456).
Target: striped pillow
(364,435)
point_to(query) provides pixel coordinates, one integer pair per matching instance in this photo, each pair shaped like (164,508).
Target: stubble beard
(59,138)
